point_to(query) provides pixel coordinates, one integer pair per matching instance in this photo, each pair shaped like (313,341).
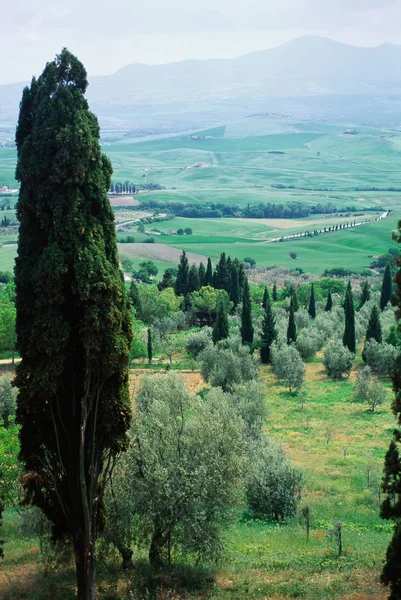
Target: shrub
(273,485)
(362,384)
(338,360)
(308,343)
(198,341)
(288,366)
(8,399)
(248,400)
(228,363)
(381,357)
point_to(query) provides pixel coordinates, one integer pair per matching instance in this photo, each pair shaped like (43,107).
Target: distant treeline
(269,210)
(281,186)
(127,187)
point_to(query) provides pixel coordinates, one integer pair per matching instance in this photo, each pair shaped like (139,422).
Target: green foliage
(135,299)
(182,280)
(292,328)
(73,322)
(381,357)
(7,323)
(205,302)
(338,360)
(309,342)
(155,304)
(184,465)
(235,292)
(193,279)
(312,303)
(349,339)
(274,293)
(329,303)
(269,331)
(374,329)
(394,336)
(149,345)
(202,274)
(198,341)
(387,288)
(288,366)
(209,274)
(227,364)
(167,281)
(246,316)
(365,293)
(248,400)
(222,274)
(147,270)
(220,328)
(8,399)
(273,485)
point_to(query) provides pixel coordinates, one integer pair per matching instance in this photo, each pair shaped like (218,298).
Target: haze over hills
(309,77)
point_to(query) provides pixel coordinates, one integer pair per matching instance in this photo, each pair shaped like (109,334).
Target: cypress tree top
(220,329)
(269,333)
(265,298)
(275,295)
(365,293)
(209,274)
(292,328)
(329,303)
(73,322)
(182,280)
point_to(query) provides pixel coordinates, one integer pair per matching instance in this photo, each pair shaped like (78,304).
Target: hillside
(306,77)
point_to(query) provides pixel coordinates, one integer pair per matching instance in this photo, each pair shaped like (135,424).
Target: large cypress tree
(181,287)
(223,273)
(73,321)
(391,506)
(365,293)
(329,303)
(209,274)
(349,311)
(202,274)
(234,285)
(387,288)
(374,329)
(246,316)
(167,281)
(312,303)
(269,332)
(292,328)
(265,299)
(220,328)
(193,279)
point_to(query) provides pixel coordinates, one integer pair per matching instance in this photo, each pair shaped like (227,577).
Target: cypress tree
(135,299)
(275,295)
(365,293)
(220,328)
(73,320)
(223,274)
(150,346)
(241,276)
(312,303)
(209,274)
(329,303)
(295,302)
(246,317)
(193,279)
(202,274)
(181,283)
(269,332)
(292,328)
(374,329)
(167,281)
(266,298)
(349,311)
(391,506)
(234,285)
(387,288)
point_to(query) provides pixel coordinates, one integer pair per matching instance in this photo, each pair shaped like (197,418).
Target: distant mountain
(306,77)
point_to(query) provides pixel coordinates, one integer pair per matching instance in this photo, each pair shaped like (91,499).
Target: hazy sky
(108,34)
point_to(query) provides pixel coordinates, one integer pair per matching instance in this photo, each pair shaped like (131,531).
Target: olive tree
(184,465)
(8,399)
(288,366)
(228,363)
(381,357)
(338,360)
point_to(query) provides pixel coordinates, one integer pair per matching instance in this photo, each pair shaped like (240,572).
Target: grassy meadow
(339,445)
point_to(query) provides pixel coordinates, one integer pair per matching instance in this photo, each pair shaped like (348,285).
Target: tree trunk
(85,562)
(126,555)
(156,546)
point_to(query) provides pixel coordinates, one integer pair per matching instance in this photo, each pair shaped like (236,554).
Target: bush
(362,384)
(273,485)
(228,363)
(288,366)
(301,319)
(381,357)
(8,399)
(338,360)
(248,400)
(308,343)
(198,341)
